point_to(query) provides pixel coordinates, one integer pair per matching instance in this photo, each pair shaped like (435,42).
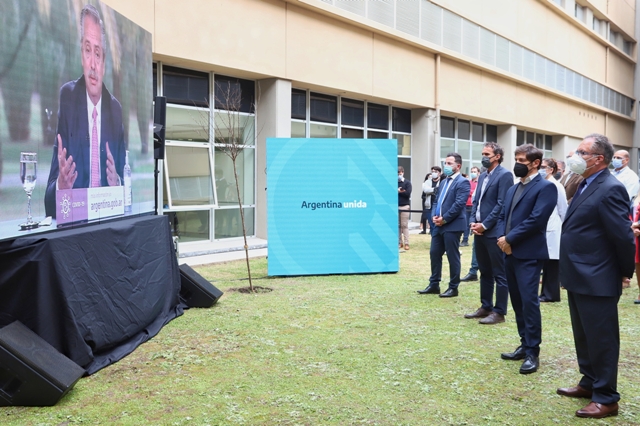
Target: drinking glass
(28,174)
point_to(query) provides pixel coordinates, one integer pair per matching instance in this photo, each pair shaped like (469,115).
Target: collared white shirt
(629,179)
(98,124)
(485,183)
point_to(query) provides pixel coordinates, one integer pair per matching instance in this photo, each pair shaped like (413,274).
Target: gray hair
(601,146)
(90,11)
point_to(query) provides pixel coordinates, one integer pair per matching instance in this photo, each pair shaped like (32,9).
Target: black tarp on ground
(94,293)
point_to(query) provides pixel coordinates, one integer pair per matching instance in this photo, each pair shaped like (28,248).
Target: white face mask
(434,175)
(577,164)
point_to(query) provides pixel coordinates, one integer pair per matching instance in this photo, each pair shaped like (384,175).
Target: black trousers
(551,280)
(596,334)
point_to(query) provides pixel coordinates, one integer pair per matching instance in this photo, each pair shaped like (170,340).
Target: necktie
(581,187)
(95,151)
(443,192)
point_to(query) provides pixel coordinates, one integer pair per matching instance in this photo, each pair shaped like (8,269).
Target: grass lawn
(355,349)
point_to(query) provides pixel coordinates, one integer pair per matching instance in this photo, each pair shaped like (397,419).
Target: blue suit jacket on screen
(597,246)
(453,206)
(492,199)
(531,213)
(73,127)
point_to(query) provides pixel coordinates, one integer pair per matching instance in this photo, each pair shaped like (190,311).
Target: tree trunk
(244,229)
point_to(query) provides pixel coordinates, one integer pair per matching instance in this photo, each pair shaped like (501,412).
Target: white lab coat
(554,226)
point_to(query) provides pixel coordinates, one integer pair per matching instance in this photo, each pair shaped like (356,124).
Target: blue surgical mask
(448,170)
(474,175)
(543,173)
(617,163)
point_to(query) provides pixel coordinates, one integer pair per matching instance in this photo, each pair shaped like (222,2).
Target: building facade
(436,75)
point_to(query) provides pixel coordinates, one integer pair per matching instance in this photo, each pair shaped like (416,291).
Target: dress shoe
(515,355)
(469,277)
(595,410)
(400,245)
(575,392)
(479,313)
(451,292)
(493,318)
(422,232)
(406,246)
(431,289)
(530,364)
(464,244)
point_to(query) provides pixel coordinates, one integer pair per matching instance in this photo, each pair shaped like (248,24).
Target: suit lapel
(527,188)
(590,189)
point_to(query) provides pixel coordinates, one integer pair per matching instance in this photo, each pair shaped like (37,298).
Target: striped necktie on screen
(95,151)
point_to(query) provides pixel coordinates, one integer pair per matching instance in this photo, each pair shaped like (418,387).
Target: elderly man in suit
(522,224)
(89,150)
(487,205)
(450,221)
(570,181)
(596,252)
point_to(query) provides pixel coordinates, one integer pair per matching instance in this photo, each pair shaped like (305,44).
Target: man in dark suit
(89,150)
(487,205)
(596,252)
(449,220)
(523,224)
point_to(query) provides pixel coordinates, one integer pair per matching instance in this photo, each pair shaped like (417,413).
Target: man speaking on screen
(89,150)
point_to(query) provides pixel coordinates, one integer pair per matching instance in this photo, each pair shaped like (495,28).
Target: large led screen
(75,115)
(332,206)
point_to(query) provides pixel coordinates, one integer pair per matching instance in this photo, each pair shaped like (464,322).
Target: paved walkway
(233,249)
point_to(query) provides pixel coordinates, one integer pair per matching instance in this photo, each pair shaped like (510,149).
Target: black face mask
(557,176)
(520,170)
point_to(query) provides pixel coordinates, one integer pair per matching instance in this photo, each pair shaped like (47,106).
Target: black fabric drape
(94,293)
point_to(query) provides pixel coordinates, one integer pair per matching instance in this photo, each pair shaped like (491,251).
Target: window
(401,120)
(447,127)
(377,116)
(323,108)
(298,104)
(199,179)
(234,94)
(580,12)
(185,87)
(188,176)
(539,140)
(467,138)
(352,112)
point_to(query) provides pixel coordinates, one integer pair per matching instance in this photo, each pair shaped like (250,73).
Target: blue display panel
(332,206)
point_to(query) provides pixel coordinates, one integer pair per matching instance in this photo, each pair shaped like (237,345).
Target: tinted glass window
(185,87)
(464,130)
(401,120)
(492,133)
(299,104)
(477,132)
(378,116)
(352,112)
(324,108)
(447,126)
(234,94)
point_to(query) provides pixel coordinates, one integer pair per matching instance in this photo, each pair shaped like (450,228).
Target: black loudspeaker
(32,372)
(159,124)
(195,291)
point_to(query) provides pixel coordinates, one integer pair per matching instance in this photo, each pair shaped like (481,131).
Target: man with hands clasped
(522,228)
(449,223)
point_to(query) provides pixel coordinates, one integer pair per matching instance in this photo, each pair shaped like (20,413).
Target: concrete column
(423,153)
(507,135)
(273,121)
